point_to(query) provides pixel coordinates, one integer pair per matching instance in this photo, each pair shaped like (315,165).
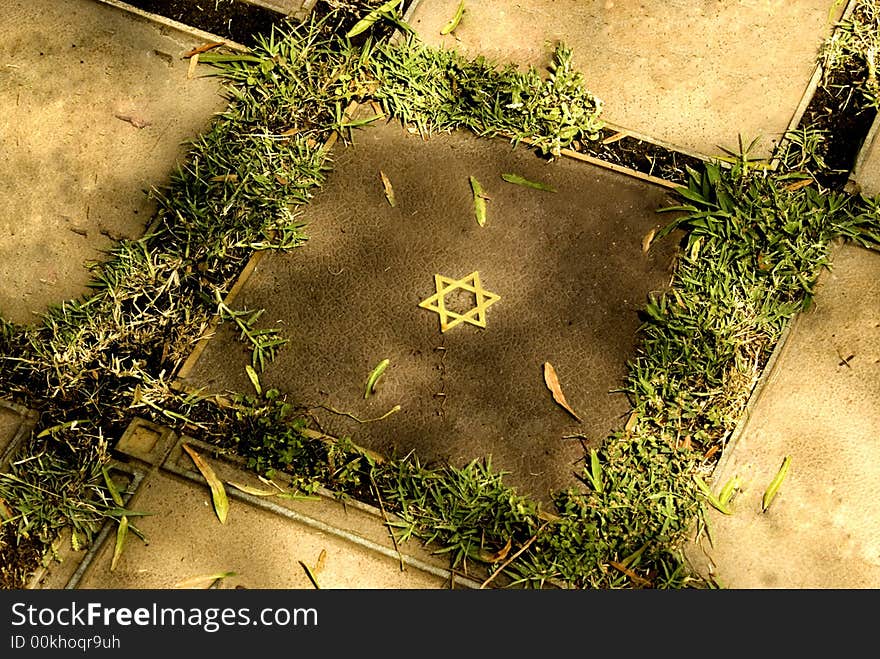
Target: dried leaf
(269,481)
(648,239)
(791,187)
(5,511)
(455,20)
(614,138)
(389,191)
(636,579)
(254,491)
(204,580)
(499,555)
(479,201)
(193,65)
(218,493)
(552,381)
(225,178)
(121,532)
(322,559)
(631,421)
(134,120)
(202,49)
(519,180)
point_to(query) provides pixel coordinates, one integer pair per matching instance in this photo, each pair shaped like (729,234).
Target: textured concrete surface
(186,540)
(820,407)
(865,176)
(16,423)
(568,266)
(10,422)
(262,542)
(95,104)
(688,74)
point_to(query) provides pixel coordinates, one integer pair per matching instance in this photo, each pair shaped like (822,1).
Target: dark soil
(230,19)
(237,20)
(641,156)
(19,557)
(847,119)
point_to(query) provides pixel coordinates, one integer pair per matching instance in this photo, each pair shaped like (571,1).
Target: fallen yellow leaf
(646,241)
(322,559)
(203,580)
(791,187)
(121,532)
(632,575)
(202,49)
(253,491)
(5,511)
(389,191)
(193,65)
(552,381)
(614,138)
(499,555)
(631,421)
(218,492)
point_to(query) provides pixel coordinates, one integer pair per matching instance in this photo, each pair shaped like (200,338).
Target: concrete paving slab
(819,406)
(16,423)
(263,549)
(95,104)
(262,541)
(59,565)
(692,75)
(568,266)
(10,421)
(865,175)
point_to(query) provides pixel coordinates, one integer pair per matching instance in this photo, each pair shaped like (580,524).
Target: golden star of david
(471,283)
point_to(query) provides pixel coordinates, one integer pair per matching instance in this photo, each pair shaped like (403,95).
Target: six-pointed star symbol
(470,283)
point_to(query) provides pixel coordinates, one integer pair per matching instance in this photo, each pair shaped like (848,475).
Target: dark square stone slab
(568,266)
